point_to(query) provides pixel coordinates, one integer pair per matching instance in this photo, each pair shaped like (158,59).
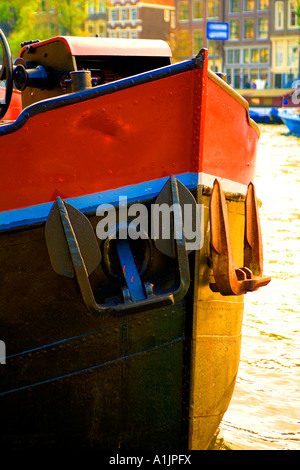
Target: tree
(70,15)
(40,19)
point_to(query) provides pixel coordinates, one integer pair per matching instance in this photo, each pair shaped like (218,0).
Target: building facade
(247,53)
(192,17)
(96,18)
(147,19)
(262,50)
(285,41)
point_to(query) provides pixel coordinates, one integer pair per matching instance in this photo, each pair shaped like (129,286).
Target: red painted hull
(185,123)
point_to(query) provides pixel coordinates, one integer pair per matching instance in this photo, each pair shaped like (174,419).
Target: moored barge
(116,341)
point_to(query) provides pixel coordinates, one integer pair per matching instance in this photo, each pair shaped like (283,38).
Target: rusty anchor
(229,278)
(74,252)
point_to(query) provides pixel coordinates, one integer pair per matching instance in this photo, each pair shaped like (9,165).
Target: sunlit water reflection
(265,409)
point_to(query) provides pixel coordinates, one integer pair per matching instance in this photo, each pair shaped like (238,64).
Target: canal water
(264,413)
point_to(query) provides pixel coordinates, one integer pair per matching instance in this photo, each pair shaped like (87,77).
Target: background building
(262,51)
(191,23)
(147,19)
(263,48)
(247,52)
(285,40)
(96,18)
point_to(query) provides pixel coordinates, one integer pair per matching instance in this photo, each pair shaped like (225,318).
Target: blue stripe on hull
(88,204)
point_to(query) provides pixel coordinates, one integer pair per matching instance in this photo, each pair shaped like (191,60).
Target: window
(249,29)
(278,80)
(114,14)
(292,12)
(237,56)
(172,21)
(101,6)
(133,14)
(254,101)
(101,31)
(254,56)
(264,73)
(237,78)
(254,75)
(197,10)
(91,7)
(183,44)
(264,55)
(278,53)
(292,53)
(234,29)
(228,75)
(263,28)
(233,56)
(279,15)
(246,56)
(249,5)
(234,6)
(230,56)
(212,9)
(124,14)
(263,5)
(197,41)
(246,83)
(183,11)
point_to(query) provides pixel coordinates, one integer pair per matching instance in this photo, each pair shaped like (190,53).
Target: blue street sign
(217,30)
